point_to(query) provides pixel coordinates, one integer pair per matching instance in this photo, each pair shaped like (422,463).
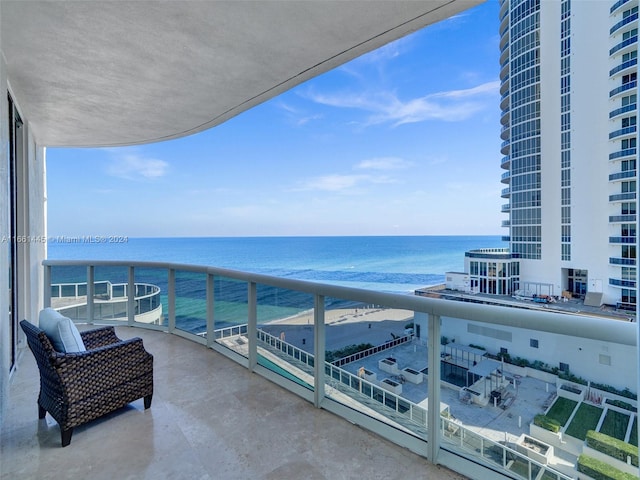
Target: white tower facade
(569,113)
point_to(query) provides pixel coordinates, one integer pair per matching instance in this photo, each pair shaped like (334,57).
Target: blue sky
(402,141)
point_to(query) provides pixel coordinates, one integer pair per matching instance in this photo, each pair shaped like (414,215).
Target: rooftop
(574,306)
(210,418)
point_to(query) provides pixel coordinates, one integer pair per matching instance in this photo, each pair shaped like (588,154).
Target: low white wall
(582,355)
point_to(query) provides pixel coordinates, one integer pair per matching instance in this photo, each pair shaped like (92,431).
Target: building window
(533,343)
(564,367)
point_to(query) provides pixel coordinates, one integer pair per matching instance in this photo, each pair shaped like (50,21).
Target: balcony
(625,240)
(625,21)
(211,416)
(623,132)
(625,109)
(622,46)
(623,88)
(616,282)
(628,218)
(627,152)
(623,66)
(617,5)
(621,197)
(622,261)
(622,175)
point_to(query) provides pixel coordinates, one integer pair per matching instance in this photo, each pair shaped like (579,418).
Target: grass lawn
(615,424)
(561,410)
(633,439)
(585,419)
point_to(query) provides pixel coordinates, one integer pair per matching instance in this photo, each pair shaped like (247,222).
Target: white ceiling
(100,73)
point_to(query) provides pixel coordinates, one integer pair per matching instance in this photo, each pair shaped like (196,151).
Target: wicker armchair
(78,387)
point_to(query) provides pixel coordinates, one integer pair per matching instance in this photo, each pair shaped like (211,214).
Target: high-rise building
(569,128)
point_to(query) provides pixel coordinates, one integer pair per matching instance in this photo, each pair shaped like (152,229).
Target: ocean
(395,264)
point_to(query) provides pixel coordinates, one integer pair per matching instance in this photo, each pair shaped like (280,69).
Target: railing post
(47,286)
(319,346)
(91,291)
(131,297)
(211,330)
(433,386)
(171,300)
(252,324)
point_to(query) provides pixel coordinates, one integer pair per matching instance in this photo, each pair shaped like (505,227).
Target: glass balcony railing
(457,381)
(625,239)
(619,111)
(623,132)
(623,66)
(622,261)
(623,88)
(622,218)
(622,175)
(617,5)
(625,43)
(627,152)
(619,197)
(625,21)
(617,282)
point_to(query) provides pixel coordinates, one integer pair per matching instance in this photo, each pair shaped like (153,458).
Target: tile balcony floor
(210,419)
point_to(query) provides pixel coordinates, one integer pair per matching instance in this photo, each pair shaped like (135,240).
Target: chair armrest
(84,373)
(99,337)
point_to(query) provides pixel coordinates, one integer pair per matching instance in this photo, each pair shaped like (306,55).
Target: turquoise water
(398,264)
(386,264)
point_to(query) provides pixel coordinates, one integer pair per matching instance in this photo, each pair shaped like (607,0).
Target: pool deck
(376,326)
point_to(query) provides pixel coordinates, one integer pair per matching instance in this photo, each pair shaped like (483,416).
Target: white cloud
(132,166)
(342,183)
(297,116)
(384,163)
(386,107)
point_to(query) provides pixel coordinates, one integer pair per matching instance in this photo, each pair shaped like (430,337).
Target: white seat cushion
(62,332)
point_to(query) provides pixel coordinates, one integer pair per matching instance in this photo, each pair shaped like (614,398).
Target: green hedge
(612,446)
(600,470)
(331,355)
(547,423)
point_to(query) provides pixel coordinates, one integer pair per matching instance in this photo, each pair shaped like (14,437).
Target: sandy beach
(344,327)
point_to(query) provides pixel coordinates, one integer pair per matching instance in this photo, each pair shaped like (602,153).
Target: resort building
(233,400)
(569,110)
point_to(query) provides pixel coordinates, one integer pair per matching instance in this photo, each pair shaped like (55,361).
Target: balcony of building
(623,132)
(622,175)
(622,3)
(624,67)
(622,197)
(623,239)
(621,154)
(628,218)
(210,418)
(628,20)
(622,261)
(239,391)
(623,88)
(624,46)
(622,110)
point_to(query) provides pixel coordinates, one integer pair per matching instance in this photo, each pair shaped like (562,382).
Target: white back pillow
(62,332)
